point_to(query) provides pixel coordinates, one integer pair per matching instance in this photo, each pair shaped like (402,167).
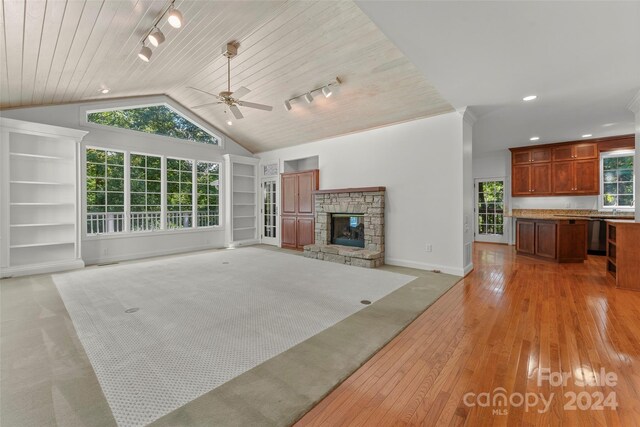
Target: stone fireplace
(349,226)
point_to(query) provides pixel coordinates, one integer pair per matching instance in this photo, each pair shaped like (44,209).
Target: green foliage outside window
(491,207)
(157,119)
(208,176)
(618,182)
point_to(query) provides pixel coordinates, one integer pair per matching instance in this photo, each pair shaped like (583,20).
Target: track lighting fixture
(175,17)
(156,38)
(145,53)
(326,91)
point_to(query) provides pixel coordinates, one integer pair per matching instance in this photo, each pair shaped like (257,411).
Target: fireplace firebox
(347,229)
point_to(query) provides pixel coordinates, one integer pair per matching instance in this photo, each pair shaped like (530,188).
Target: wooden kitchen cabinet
(561,241)
(580,177)
(556,169)
(533,179)
(298,222)
(623,253)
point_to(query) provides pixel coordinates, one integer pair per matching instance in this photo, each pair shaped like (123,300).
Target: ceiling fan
(231,99)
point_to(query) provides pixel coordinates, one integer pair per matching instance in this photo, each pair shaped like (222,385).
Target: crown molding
(467,115)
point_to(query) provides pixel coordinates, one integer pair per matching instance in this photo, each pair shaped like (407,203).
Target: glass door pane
(269,209)
(490,208)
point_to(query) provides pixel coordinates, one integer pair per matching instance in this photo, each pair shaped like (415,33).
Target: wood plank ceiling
(57,51)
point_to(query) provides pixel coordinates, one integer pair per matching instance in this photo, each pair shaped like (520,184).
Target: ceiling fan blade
(242,91)
(204,91)
(254,105)
(206,105)
(236,112)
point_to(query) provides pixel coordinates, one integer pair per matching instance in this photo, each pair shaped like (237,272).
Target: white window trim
(149,102)
(127,187)
(608,155)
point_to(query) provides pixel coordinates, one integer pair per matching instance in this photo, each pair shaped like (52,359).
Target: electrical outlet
(428,247)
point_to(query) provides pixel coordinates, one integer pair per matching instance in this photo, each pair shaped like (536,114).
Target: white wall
(421,165)
(99,249)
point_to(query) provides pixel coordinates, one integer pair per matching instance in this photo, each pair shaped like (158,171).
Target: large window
(155,119)
(617,180)
(490,197)
(179,193)
(120,202)
(105,191)
(208,182)
(145,192)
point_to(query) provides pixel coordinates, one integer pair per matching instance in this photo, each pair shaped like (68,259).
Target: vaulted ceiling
(67,51)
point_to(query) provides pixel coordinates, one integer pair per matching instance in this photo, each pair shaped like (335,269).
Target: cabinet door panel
(546,240)
(289,194)
(563,153)
(521,157)
(587,176)
(541,179)
(305,231)
(563,178)
(288,232)
(525,237)
(541,155)
(586,151)
(521,180)
(305,192)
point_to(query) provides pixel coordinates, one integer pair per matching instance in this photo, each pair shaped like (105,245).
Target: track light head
(156,38)
(287,105)
(145,53)
(308,97)
(326,91)
(175,18)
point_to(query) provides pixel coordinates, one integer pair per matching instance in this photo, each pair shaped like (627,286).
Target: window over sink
(617,181)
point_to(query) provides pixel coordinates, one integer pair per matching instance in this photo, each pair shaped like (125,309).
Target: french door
(490,206)
(269,211)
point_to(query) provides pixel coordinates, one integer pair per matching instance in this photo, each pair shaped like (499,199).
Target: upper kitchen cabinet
(568,168)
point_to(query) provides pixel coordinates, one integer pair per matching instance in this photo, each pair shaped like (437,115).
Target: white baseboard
(130,257)
(468,269)
(50,267)
(425,266)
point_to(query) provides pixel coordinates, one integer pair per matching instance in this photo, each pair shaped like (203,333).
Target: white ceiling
(582,59)
(66,51)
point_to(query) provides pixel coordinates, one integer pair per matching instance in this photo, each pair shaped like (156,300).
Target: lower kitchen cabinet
(555,240)
(297,231)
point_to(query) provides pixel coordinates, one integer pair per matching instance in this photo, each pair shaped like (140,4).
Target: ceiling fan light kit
(231,99)
(154,36)
(308,96)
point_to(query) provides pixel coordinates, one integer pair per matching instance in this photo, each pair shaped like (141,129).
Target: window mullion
(194,193)
(163,193)
(127,192)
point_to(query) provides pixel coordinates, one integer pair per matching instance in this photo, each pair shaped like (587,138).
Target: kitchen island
(558,239)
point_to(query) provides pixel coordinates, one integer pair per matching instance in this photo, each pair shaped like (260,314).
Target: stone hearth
(368,201)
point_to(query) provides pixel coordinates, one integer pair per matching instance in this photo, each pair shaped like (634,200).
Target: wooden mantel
(350,190)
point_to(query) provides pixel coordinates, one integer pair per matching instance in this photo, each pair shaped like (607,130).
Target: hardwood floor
(508,324)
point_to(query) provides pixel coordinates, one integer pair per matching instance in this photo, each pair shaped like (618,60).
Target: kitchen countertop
(568,214)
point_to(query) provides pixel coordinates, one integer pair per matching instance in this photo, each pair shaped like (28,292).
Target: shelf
(39,183)
(244,192)
(42,204)
(34,245)
(39,156)
(244,204)
(244,216)
(244,228)
(243,176)
(612,260)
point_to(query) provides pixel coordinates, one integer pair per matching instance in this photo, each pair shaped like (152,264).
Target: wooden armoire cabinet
(297,212)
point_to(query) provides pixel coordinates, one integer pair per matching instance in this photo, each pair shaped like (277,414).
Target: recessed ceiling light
(229,122)
(587,135)
(530,97)
(606,125)
(104,91)
(534,138)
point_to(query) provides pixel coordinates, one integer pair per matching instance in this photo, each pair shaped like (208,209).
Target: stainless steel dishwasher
(597,240)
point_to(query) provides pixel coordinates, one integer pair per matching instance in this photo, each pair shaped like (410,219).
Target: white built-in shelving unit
(242,200)
(39,222)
